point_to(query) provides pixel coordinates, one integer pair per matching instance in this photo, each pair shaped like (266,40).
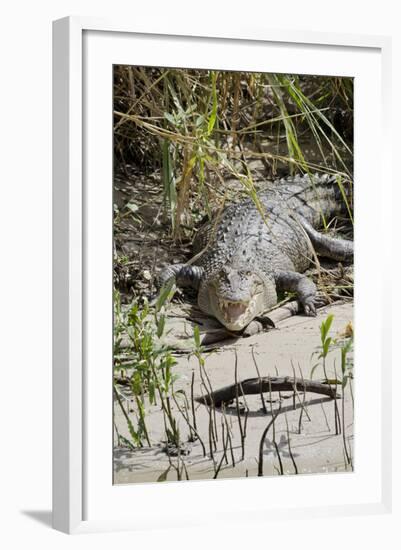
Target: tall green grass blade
(345,199)
(170,191)
(213,114)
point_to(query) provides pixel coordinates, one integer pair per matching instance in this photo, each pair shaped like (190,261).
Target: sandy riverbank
(304,437)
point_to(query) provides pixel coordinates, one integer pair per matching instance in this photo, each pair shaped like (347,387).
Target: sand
(304,439)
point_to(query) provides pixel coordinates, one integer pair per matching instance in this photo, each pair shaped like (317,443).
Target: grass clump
(200,128)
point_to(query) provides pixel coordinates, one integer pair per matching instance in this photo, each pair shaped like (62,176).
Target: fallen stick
(253,386)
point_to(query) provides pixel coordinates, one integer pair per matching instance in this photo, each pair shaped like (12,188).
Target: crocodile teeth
(234,310)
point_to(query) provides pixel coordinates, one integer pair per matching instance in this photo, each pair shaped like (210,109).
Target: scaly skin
(247,258)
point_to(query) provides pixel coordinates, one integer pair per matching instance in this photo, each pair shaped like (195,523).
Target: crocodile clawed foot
(309,307)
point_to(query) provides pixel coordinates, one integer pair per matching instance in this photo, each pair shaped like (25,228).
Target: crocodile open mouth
(232,314)
(232,310)
(235,315)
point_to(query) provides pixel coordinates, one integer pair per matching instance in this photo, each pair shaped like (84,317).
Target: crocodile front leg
(296,282)
(183,275)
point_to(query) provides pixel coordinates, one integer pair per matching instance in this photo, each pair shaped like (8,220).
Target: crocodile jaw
(234,315)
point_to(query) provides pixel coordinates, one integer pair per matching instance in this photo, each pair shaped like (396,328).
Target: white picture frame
(78,42)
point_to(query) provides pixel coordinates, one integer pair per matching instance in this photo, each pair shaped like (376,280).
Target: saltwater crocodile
(253,249)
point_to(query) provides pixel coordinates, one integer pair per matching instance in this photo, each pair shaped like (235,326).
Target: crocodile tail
(317,197)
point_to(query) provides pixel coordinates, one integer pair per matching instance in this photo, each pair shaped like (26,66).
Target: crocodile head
(235,296)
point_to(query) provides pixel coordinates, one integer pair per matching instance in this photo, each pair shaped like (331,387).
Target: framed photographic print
(213,289)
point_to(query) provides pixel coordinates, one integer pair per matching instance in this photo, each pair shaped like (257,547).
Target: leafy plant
(328,344)
(148,365)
